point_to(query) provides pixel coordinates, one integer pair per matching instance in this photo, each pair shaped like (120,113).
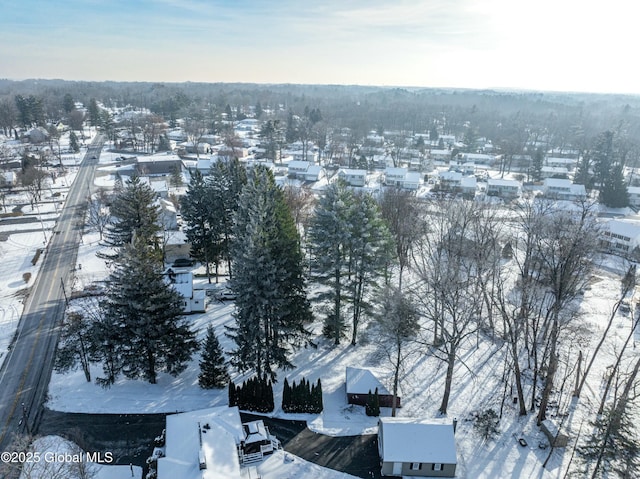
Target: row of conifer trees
(256,394)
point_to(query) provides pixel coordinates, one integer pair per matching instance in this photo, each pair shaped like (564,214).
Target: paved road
(24,376)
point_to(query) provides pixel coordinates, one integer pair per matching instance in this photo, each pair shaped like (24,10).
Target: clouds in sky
(547,44)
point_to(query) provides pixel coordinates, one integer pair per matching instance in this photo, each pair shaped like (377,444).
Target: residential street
(25,374)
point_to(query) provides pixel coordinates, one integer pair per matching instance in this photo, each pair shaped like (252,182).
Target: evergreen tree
(613,444)
(233,394)
(175,179)
(67,103)
(486,424)
(134,212)
(163,143)
(319,400)
(286,396)
(202,226)
(330,235)
(372,407)
(151,334)
(258,110)
(602,157)
(73,142)
(213,370)
(271,304)
(352,246)
(614,193)
(226,183)
(583,174)
(94,112)
(536,165)
(370,252)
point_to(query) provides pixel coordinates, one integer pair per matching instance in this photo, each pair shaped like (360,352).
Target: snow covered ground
(477,384)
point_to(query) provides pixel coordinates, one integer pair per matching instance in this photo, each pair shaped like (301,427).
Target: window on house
(416,466)
(437,467)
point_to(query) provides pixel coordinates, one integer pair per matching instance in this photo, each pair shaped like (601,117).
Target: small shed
(553,433)
(359,382)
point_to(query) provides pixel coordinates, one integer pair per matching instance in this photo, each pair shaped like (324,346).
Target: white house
(298,169)
(620,235)
(315,173)
(634,196)
(554,162)
(211,444)
(507,189)
(395,176)
(182,282)
(412,180)
(477,158)
(440,155)
(450,180)
(353,177)
(562,189)
(468,185)
(202,444)
(10,178)
(554,171)
(417,447)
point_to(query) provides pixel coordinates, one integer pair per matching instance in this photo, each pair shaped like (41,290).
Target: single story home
(440,155)
(554,172)
(158,165)
(477,158)
(359,382)
(568,163)
(417,447)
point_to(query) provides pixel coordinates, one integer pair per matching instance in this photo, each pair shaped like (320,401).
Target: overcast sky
(566,45)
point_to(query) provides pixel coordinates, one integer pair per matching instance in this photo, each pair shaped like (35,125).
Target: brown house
(359,382)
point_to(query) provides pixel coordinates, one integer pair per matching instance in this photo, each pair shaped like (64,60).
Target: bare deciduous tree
(450,294)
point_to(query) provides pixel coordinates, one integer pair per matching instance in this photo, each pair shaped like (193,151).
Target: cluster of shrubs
(255,394)
(372,407)
(302,397)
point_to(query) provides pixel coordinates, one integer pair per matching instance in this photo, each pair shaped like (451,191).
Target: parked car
(226,295)
(182,263)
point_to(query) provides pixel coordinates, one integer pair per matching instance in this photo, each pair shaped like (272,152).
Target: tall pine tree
(213,370)
(134,212)
(330,235)
(352,246)
(271,306)
(149,332)
(203,228)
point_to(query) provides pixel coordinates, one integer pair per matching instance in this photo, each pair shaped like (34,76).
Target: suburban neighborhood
(431,293)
